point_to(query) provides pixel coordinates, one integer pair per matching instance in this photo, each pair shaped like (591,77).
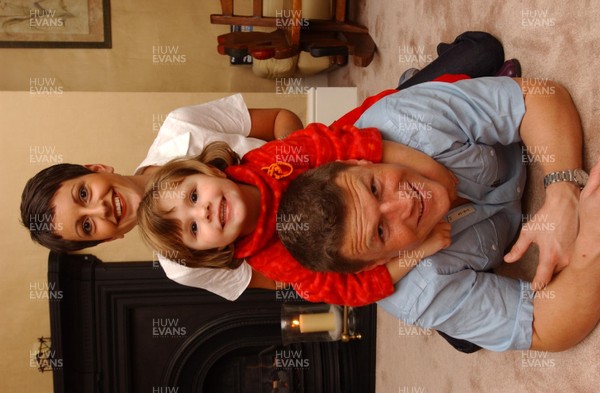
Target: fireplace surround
(126,328)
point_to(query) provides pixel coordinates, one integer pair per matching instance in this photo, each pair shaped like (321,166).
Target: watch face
(581,177)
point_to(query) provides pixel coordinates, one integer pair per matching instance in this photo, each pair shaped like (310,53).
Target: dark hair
(37,210)
(316,202)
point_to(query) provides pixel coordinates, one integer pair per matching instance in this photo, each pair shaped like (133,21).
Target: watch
(577,176)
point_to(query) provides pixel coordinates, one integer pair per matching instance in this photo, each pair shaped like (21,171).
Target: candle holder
(42,354)
(317,322)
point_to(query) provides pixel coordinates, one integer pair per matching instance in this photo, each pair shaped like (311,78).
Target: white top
(185,132)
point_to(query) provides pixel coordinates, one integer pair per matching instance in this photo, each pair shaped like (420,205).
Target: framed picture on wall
(55,24)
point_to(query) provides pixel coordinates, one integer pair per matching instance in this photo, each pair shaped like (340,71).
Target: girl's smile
(211,210)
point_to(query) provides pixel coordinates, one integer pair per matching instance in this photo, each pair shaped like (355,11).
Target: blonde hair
(164,234)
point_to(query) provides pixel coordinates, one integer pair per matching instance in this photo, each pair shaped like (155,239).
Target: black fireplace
(126,328)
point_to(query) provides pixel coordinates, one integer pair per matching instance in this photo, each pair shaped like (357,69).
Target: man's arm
(275,123)
(572,310)
(551,132)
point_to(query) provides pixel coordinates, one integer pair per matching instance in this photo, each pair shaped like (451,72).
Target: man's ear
(100,168)
(355,162)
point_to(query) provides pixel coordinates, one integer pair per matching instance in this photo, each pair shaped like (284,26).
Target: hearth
(125,327)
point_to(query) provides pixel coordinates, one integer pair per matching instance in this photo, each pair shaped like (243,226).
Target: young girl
(215,219)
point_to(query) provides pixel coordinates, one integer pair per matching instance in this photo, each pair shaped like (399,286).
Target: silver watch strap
(577,176)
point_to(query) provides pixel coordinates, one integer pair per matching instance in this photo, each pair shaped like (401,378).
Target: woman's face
(99,206)
(210,210)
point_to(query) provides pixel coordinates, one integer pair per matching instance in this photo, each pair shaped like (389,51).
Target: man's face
(389,208)
(98,206)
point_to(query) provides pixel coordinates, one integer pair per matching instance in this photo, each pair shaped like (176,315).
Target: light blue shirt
(471,127)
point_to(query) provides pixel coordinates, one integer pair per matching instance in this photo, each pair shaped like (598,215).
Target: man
(474,128)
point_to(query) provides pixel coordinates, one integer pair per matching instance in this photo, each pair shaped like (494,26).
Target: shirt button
(519,189)
(492,153)
(494,247)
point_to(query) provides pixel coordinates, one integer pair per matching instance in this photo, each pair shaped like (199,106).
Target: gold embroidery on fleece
(276,171)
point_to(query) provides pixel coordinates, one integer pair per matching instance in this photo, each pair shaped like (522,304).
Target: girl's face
(210,209)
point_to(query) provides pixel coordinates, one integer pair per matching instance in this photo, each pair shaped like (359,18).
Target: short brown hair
(37,206)
(164,234)
(316,201)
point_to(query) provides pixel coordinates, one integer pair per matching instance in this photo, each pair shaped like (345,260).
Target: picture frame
(55,24)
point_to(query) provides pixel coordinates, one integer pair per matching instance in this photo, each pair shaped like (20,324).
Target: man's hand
(554,229)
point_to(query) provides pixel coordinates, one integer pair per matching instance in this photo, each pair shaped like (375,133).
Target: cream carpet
(552,39)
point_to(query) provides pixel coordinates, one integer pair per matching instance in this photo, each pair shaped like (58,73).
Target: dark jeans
(474,53)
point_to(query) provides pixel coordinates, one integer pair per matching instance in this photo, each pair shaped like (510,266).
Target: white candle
(320,322)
